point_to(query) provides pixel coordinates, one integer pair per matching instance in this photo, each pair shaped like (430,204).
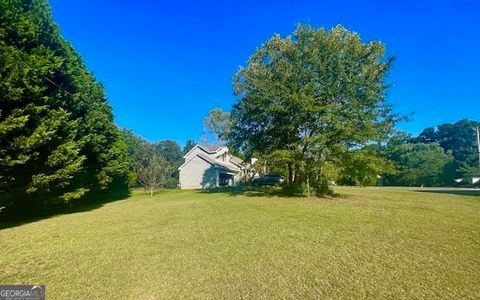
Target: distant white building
(468,180)
(210,166)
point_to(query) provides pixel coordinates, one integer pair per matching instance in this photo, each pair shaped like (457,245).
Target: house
(210,166)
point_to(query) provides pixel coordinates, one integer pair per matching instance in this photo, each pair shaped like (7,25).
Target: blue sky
(165,64)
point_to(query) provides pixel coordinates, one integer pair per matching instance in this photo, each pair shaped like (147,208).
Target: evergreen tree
(57,136)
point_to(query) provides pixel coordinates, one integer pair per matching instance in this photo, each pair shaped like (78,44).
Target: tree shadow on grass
(452,191)
(251,192)
(90,202)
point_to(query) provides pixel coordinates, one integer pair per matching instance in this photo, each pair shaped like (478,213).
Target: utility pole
(478,145)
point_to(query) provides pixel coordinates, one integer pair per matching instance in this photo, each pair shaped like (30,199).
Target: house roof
(233,165)
(225,165)
(207,148)
(236,160)
(211,148)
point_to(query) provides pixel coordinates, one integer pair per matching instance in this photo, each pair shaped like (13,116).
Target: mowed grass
(369,243)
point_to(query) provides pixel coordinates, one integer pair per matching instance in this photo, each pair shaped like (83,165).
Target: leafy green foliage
(137,149)
(188,146)
(170,150)
(365,167)
(460,139)
(154,171)
(135,144)
(316,95)
(419,164)
(152,165)
(217,125)
(57,136)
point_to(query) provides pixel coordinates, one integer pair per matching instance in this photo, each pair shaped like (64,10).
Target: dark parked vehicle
(269,179)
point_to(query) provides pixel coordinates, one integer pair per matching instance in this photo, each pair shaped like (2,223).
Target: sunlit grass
(370,243)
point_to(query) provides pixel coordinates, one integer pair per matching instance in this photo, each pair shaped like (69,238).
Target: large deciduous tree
(314,97)
(57,136)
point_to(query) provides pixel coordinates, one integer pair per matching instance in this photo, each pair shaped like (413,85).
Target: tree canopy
(57,136)
(189,144)
(153,165)
(460,139)
(217,125)
(420,164)
(154,171)
(170,150)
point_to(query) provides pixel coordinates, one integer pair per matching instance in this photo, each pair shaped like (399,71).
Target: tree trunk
(307,171)
(151,191)
(290,173)
(308,185)
(294,174)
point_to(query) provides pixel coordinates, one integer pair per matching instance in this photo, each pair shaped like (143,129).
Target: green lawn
(370,243)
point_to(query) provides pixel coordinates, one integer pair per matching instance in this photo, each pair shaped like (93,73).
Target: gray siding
(198,174)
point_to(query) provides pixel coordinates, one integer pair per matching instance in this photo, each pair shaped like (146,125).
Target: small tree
(153,172)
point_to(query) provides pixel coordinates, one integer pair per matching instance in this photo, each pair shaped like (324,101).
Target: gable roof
(207,148)
(236,160)
(211,148)
(212,161)
(234,164)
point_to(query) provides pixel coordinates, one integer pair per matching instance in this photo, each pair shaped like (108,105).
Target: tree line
(445,155)
(312,106)
(154,165)
(437,156)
